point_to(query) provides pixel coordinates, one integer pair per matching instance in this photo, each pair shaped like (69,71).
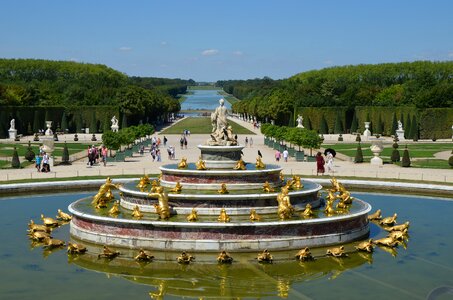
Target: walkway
(144,165)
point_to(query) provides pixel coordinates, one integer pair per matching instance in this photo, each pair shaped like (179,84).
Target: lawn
(201,125)
(6,150)
(231,99)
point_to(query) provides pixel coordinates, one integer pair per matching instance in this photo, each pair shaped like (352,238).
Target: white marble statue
(222,134)
(12,124)
(114,126)
(299,121)
(400,125)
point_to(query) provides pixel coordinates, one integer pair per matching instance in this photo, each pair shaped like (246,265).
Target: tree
(64,122)
(15,162)
(93,125)
(394,125)
(338,128)
(323,128)
(65,156)
(304,137)
(112,140)
(307,123)
(450,160)
(379,126)
(359,154)
(29,155)
(354,123)
(407,127)
(124,122)
(414,129)
(406,162)
(395,153)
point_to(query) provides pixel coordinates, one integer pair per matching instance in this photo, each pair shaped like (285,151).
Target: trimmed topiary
(36,138)
(394,125)
(450,161)
(323,128)
(395,153)
(55,136)
(414,129)
(354,124)
(358,155)
(65,156)
(340,138)
(29,155)
(338,127)
(15,162)
(406,162)
(358,138)
(93,138)
(76,137)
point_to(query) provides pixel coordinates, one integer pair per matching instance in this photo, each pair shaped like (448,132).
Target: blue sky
(230,39)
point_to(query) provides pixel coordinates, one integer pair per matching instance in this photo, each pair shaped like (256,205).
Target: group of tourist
(42,161)
(248,142)
(320,162)
(96,155)
(279,155)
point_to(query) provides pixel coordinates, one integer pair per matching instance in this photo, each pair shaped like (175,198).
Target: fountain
(241,194)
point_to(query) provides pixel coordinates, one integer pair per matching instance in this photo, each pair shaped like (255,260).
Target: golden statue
(185,258)
(50,222)
(336,186)
(108,253)
(183,163)
(162,208)
(104,194)
(39,235)
(345,197)
(254,215)
(143,256)
(63,216)
(200,164)
(329,210)
(223,189)
(259,163)
(389,221)
(331,196)
(224,258)
(76,248)
(32,227)
(154,186)
(304,254)
(375,216)
(143,183)
(115,210)
(400,227)
(336,252)
(285,209)
(308,212)
(297,183)
(136,213)
(282,177)
(240,165)
(366,246)
(267,187)
(177,189)
(387,241)
(265,257)
(51,243)
(398,235)
(223,217)
(193,216)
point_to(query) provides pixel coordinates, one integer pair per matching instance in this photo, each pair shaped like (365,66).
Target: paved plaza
(143,164)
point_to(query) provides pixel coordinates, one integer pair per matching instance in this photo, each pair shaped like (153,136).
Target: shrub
(358,155)
(323,128)
(450,161)
(340,138)
(76,137)
(65,156)
(395,153)
(406,162)
(15,162)
(29,155)
(358,138)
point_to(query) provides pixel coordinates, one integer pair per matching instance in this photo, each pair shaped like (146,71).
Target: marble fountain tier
(199,192)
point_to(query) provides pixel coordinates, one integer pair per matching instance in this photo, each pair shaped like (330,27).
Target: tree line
(33,82)
(421,84)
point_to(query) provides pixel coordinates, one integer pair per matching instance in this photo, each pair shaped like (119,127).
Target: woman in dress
(319,164)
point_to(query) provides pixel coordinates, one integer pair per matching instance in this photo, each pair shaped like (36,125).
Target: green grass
(201,125)
(431,163)
(231,99)
(75,178)
(6,150)
(415,150)
(7,164)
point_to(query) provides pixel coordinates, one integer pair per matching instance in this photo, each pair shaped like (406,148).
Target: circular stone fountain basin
(210,202)
(191,178)
(214,236)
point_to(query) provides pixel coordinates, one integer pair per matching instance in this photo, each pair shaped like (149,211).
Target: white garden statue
(299,120)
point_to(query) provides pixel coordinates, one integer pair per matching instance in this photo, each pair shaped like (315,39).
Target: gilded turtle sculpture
(265,257)
(224,258)
(366,246)
(108,253)
(304,254)
(74,248)
(185,258)
(143,256)
(336,252)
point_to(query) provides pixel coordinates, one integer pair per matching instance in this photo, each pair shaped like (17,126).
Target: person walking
(319,164)
(45,163)
(285,155)
(329,162)
(104,152)
(251,142)
(277,155)
(38,160)
(165,141)
(246,142)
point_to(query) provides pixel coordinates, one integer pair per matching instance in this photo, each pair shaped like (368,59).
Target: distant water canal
(201,100)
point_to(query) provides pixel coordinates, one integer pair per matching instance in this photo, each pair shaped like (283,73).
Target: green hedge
(313,115)
(436,123)
(383,114)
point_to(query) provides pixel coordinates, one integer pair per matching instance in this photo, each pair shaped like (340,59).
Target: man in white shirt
(285,155)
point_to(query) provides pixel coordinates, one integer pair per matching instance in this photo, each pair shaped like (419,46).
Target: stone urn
(376,148)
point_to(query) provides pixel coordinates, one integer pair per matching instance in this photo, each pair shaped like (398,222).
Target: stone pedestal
(220,157)
(114,128)
(400,134)
(12,133)
(49,147)
(376,148)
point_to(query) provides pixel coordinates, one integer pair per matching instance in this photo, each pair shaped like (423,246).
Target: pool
(424,268)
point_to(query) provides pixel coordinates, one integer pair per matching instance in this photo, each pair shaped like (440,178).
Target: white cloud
(125,48)
(238,53)
(210,52)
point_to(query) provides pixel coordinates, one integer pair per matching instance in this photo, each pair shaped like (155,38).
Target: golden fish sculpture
(183,163)
(193,216)
(223,217)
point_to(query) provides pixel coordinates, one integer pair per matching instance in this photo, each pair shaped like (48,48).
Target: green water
(414,272)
